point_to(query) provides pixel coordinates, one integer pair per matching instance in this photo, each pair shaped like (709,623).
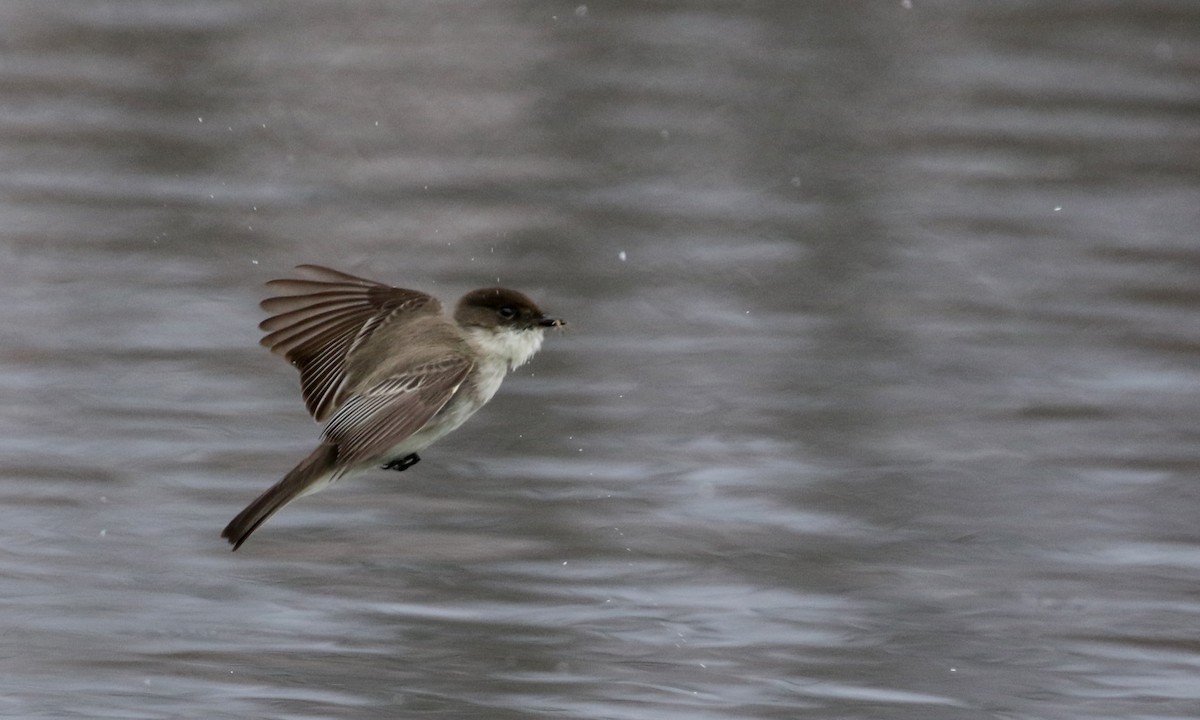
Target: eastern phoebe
(388,371)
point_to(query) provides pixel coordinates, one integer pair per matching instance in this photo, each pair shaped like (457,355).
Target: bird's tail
(313,473)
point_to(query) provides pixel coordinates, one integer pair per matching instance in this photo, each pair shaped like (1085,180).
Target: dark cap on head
(501,307)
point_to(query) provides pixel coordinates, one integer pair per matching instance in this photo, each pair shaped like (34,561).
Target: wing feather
(319,320)
(287,337)
(369,424)
(292,308)
(325,274)
(301,325)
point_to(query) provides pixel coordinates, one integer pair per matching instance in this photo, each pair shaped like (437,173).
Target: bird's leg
(404,463)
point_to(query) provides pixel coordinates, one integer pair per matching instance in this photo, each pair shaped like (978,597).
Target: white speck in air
(621,256)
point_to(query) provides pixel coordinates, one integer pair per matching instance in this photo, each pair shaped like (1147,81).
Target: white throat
(500,350)
(506,346)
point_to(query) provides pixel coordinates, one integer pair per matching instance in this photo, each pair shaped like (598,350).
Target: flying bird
(386,371)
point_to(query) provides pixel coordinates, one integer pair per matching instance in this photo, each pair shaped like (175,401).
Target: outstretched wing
(368,424)
(318,322)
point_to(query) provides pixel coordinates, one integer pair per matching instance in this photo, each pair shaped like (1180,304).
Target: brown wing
(318,322)
(369,423)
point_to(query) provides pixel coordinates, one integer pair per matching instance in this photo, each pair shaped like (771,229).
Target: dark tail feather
(292,486)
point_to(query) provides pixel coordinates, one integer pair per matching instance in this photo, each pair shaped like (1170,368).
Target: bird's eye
(508,312)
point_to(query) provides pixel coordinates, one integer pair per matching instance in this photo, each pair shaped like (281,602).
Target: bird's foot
(404,463)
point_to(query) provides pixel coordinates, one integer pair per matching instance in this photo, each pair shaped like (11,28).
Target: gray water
(879,398)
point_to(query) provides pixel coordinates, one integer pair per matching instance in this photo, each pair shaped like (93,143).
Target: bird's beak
(551,322)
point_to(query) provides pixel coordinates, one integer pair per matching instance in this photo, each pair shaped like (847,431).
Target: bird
(385,370)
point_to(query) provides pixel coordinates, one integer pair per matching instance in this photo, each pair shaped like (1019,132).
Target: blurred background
(879,398)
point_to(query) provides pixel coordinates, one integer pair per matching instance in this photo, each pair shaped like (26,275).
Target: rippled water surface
(879,398)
